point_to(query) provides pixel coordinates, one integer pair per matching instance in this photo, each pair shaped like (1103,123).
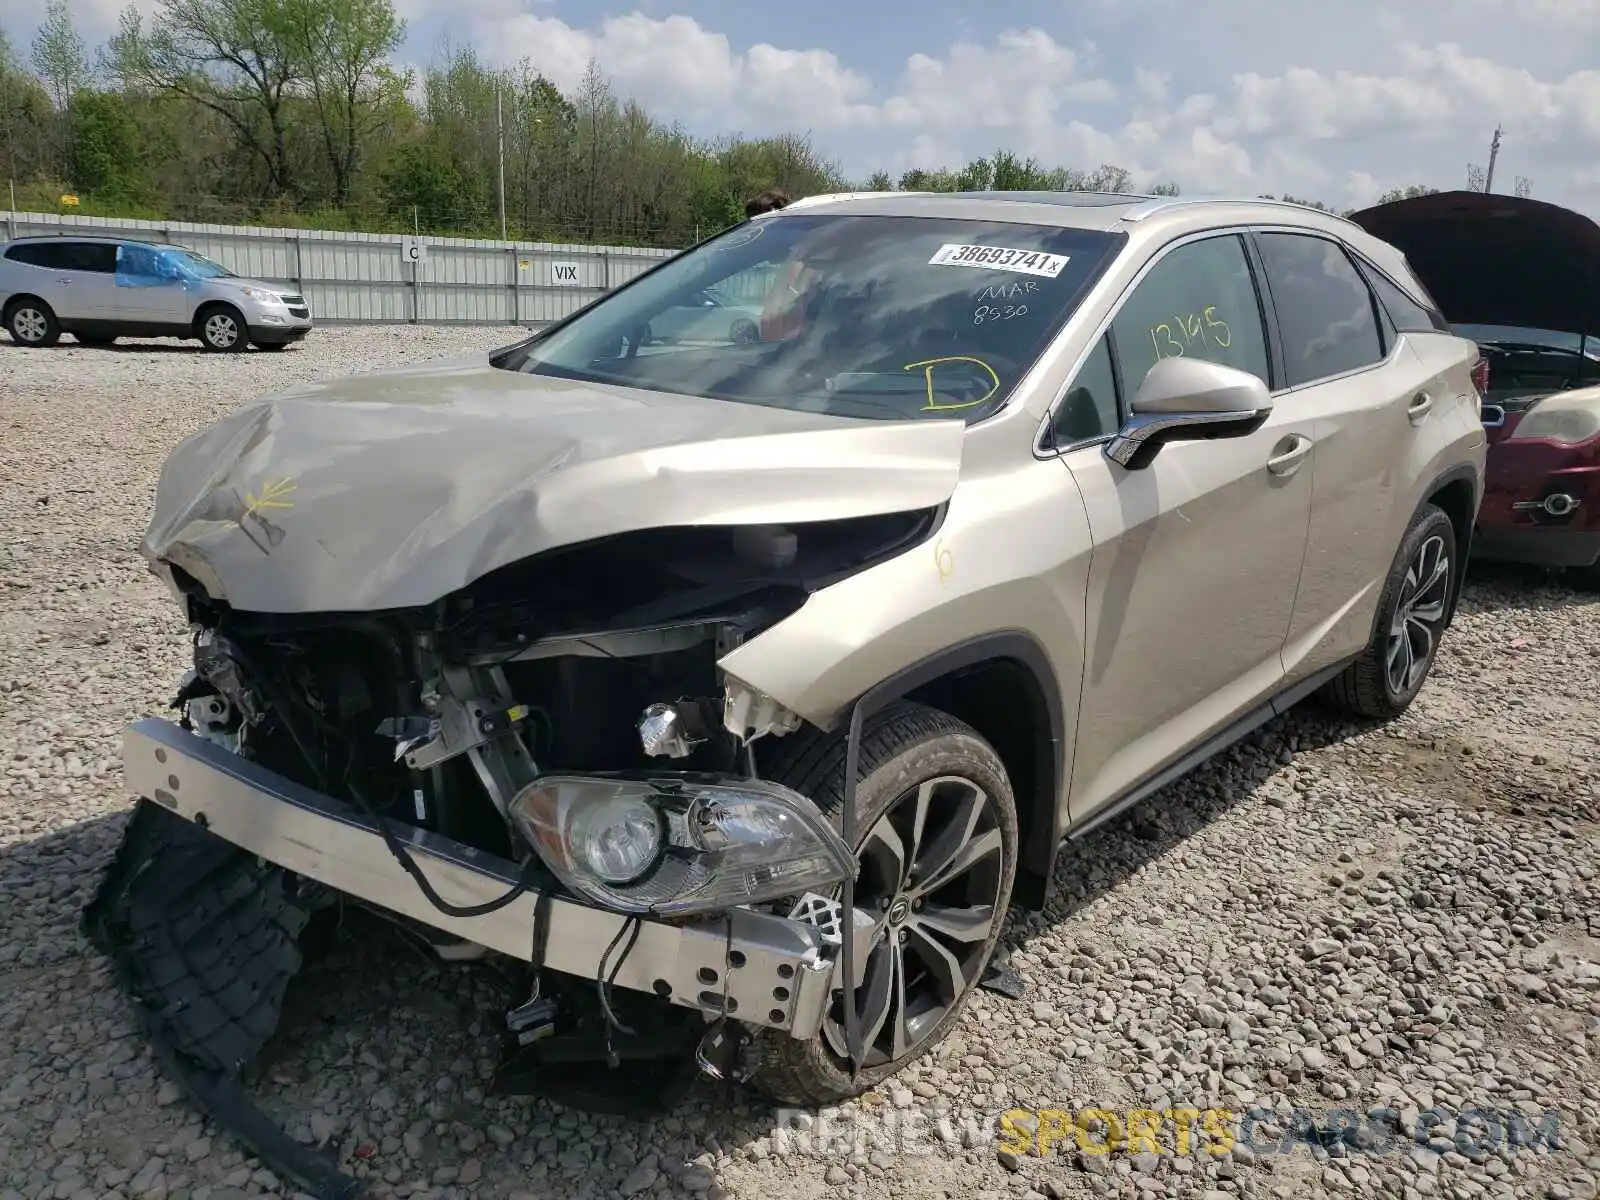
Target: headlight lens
(616,839)
(679,844)
(1561,420)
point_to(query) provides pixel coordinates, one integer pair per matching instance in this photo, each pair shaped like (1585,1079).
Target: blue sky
(1335,101)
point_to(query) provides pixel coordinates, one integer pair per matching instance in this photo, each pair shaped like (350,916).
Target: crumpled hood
(395,489)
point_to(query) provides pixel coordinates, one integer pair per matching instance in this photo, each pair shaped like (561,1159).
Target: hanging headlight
(680,844)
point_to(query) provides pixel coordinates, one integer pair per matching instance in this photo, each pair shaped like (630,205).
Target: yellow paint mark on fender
(928,364)
(943,562)
(272,496)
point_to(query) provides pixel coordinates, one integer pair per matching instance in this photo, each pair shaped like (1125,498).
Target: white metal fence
(386,278)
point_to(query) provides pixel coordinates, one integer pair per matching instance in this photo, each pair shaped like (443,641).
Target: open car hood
(1498,260)
(396,489)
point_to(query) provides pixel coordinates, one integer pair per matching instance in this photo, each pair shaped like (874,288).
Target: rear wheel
(937,863)
(222,329)
(1412,615)
(30,322)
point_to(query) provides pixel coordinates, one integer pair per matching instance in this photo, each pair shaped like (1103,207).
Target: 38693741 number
(1186,331)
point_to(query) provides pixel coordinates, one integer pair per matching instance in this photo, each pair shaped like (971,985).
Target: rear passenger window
(1325,310)
(100,257)
(39,254)
(1408,316)
(1198,301)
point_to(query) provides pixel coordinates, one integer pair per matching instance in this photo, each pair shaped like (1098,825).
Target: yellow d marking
(928,364)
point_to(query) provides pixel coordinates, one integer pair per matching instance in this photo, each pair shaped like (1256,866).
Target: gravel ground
(1329,917)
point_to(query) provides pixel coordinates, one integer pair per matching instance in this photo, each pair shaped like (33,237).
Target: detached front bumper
(774,972)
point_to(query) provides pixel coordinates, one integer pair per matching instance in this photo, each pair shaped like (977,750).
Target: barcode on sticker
(999,258)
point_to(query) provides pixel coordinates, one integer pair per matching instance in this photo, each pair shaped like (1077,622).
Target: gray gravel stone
(1329,915)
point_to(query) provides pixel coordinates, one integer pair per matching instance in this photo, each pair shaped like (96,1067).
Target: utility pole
(1494,153)
(500,138)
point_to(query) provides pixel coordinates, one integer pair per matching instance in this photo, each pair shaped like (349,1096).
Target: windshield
(883,317)
(192,262)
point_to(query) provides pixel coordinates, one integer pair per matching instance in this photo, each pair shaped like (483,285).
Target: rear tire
(221,329)
(1413,613)
(913,758)
(32,323)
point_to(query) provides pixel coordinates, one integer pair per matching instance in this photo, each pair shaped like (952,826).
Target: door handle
(1289,454)
(1421,405)
(64,282)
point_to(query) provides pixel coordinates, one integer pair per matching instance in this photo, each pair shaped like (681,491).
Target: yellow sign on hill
(70,201)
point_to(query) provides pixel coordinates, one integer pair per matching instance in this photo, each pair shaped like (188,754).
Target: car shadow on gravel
(1496,587)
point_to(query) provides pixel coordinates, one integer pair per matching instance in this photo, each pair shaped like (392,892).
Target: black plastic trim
(1229,735)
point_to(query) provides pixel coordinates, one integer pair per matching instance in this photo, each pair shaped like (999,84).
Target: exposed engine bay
(566,715)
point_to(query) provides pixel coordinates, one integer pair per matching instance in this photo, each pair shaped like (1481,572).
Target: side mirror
(1184,399)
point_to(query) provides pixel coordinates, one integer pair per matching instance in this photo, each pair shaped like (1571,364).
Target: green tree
(1413,192)
(25,119)
(240,59)
(59,55)
(104,154)
(344,47)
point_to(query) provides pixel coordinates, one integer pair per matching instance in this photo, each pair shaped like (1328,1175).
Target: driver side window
(1199,300)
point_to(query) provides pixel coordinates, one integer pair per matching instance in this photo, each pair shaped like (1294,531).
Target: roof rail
(830,197)
(1161,203)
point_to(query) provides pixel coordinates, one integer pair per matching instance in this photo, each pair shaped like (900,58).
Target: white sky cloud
(1243,96)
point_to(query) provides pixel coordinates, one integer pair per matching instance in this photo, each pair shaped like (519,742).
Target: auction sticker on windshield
(999,258)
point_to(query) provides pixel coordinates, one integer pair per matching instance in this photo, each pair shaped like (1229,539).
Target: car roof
(1081,210)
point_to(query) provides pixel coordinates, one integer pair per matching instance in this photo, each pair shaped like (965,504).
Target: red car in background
(1522,279)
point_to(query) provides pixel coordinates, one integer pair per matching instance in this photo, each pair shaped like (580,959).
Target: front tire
(937,858)
(1413,612)
(222,329)
(31,322)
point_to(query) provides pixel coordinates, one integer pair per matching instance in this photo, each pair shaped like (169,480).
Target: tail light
(1480,376)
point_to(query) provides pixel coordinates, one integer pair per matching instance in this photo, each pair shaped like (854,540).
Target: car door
(88,280)
(148,290)
(1357,382)
(1196,555)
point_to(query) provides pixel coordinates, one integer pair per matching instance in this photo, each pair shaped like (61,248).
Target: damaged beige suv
(732,689)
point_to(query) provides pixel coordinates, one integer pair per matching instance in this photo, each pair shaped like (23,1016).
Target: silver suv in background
(99,289)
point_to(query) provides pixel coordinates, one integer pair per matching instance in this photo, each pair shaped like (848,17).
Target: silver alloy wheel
(1418,612)
(29,324)
(222,331)
(931,871)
